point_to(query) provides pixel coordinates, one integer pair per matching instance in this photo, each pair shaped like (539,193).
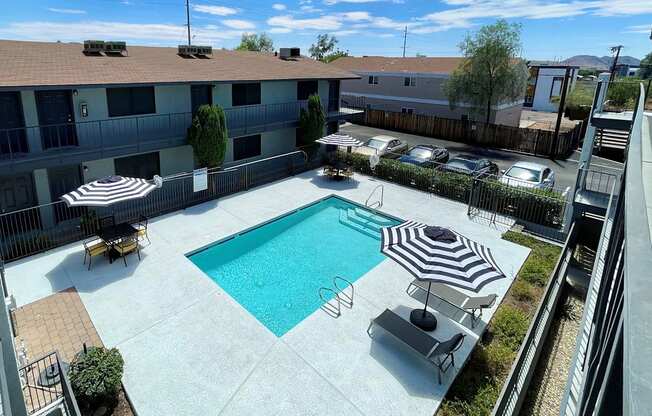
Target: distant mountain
(626,60)
(599,63)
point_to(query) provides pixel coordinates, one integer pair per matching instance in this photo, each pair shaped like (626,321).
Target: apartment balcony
(42,146)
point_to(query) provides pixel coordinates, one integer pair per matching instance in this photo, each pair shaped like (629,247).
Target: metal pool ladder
(333,307)
(377,203)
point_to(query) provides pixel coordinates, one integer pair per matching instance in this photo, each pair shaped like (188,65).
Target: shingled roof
(435,65)
(38,64)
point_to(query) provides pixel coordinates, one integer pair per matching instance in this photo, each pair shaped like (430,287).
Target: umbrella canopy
(108,191)
(340,140)
(438,254)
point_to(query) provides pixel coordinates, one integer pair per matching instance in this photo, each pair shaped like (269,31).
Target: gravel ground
(549,381)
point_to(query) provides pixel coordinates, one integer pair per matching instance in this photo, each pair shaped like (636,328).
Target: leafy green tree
(255,43)
(96,376)
(491,72)
(312,121)
(646,67)
(324,46)
(335,55)
(208,135)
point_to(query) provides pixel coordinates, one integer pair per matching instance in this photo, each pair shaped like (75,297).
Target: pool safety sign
(200,180)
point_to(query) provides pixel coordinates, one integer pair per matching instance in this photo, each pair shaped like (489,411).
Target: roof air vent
(93,46)
(290,53)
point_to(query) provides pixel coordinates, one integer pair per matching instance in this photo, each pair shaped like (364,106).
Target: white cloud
(279,6)
(326,22)
(280,30)
(645,29)
(356,16)
(214,10)
(239,24)
(66,11)
(143,33)
(343,33)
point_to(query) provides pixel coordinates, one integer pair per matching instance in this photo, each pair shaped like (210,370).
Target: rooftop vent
(289,53)
(108,47)
(190,50)
(115,47)
(93,46)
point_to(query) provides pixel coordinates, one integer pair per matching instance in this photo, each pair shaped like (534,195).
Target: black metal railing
(121,135)
(515,387)
(36,229)
(45,384)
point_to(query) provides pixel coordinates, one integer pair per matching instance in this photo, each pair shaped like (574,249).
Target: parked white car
(383,146)
(529,175)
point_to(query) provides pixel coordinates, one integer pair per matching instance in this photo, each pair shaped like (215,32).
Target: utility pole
(404,40)
(615,62)
(188,19)
(560,112)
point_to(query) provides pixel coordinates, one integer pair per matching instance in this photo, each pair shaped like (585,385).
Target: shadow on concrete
(326,183)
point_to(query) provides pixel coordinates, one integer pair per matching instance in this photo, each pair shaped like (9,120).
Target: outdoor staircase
(364,221)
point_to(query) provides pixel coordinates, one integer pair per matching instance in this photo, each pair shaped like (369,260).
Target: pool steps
(364,222)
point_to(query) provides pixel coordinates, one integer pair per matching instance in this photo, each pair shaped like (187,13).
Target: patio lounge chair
(126,246)
(473,305)
(438,353)
(92,248)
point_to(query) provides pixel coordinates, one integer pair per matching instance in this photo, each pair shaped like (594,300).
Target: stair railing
(377,203)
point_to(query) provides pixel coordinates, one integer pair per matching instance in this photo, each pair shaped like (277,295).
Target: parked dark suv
(471,165)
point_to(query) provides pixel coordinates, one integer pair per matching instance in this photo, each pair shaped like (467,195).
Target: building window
(373,80)
(465,117)
(144,166)
(332,127)
(306,88)
(406,110)
(245,94)
(555,89)
(246,147)
(200,95)
(410,82)
(130,101)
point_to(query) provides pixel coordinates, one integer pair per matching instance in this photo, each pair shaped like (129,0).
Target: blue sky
(552,29)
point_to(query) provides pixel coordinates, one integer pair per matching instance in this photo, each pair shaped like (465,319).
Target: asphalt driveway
(565,170)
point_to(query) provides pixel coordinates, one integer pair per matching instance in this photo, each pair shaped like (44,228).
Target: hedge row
(536,206)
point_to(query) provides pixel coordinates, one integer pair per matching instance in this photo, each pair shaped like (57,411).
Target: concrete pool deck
(190,349)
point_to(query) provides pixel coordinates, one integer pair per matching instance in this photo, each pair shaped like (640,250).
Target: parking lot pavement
(565,170)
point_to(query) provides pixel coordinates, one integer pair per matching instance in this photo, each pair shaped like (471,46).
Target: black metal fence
(33,230)
(46,384)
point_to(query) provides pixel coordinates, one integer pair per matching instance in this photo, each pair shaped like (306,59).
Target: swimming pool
(275,270)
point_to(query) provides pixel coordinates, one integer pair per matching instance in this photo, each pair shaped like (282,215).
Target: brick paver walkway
(58,322)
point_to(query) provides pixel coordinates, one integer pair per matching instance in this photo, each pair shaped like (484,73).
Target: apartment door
(12,133)
(64,179)
(55,115)
(200,95)
(334,95)
(16,192)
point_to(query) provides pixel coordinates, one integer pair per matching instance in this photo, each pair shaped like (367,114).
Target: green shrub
(481,404)
(542,260)
(208,135)
(509,326)
(523,291)
(96,376)
(499,359)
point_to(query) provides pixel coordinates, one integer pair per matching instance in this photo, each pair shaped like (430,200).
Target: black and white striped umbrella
(438,254)
(343,140)
(108,191)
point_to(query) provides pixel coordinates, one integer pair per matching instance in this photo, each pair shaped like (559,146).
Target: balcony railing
(124,135)
(46,386)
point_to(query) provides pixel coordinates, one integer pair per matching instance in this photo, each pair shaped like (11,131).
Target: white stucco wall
(544,86)
(176,160)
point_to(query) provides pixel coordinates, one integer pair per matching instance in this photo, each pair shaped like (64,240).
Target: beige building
(411,85)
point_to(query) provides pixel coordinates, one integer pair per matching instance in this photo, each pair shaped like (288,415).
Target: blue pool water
(275,271)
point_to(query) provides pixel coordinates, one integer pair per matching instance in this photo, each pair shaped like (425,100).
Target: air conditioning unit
(204,50)
(288,53)
(93,46)
(115,47)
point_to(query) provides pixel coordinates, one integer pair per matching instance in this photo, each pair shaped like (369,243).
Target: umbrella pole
(427,297)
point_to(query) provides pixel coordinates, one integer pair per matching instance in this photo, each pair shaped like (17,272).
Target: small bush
(96,376)
(499,359)
(208,135)
(509,326)
(523,291)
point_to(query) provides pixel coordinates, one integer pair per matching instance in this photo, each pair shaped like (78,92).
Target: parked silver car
(529,175)
(383,146)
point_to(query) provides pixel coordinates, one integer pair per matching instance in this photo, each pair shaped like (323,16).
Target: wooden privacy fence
(533,141)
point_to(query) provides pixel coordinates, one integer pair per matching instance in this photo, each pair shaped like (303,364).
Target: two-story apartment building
(544,85)
(411,85)
(68,117)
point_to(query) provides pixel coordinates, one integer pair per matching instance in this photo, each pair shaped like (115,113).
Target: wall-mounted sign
(200,180)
